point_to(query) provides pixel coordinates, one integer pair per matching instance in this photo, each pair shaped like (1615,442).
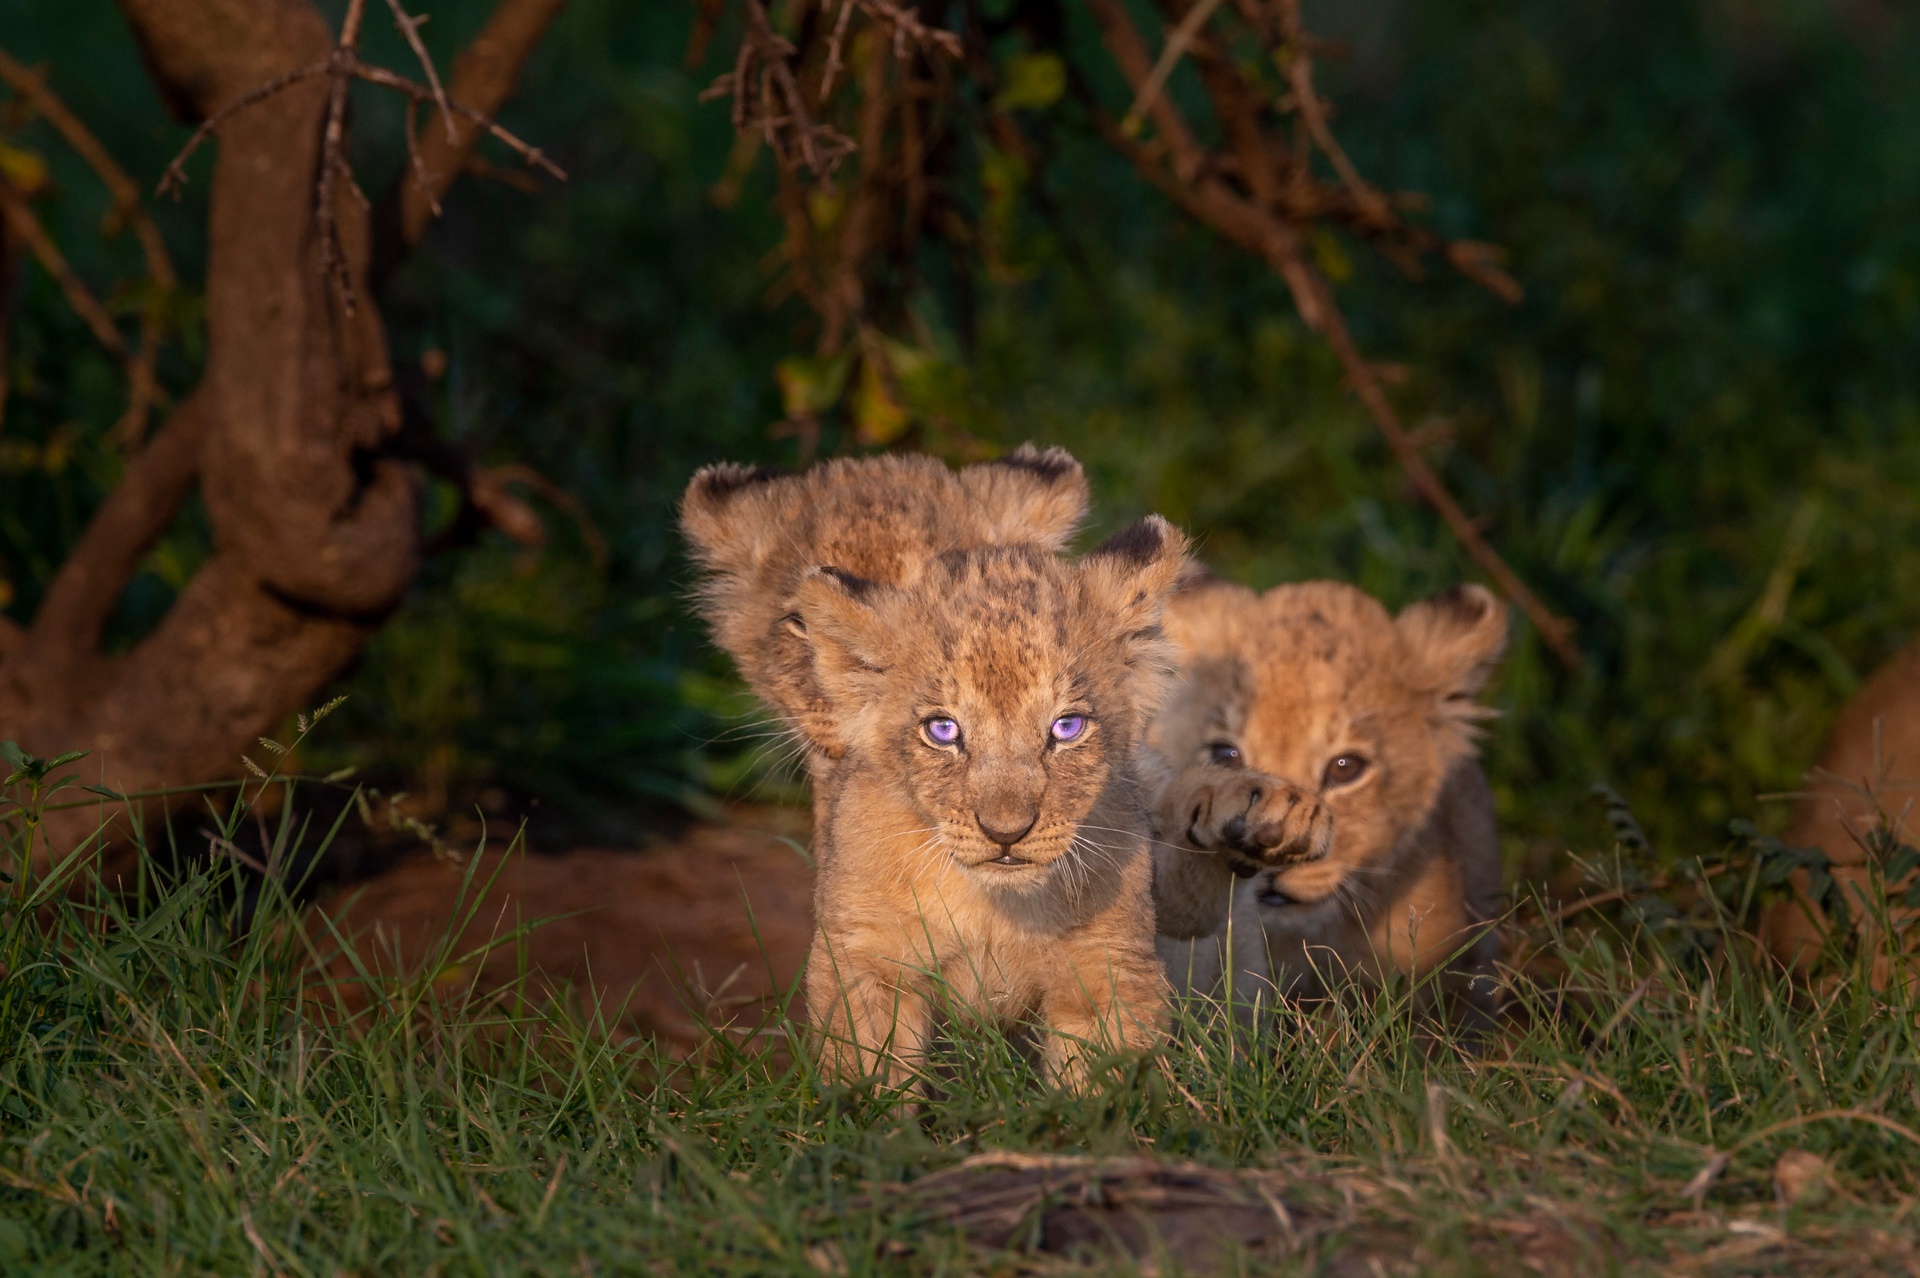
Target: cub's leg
(1102,998)
(869,1015)
(1238,822)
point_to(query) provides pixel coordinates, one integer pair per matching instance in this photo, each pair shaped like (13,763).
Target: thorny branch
(128,208)
(1261,188)
(484,75)
(342,67)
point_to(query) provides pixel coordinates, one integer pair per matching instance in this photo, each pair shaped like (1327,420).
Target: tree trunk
(316,534)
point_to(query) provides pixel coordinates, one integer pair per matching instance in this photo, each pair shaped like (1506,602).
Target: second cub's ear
(835,613)
(1032,495)
(1132,572)
(1459,635)
(730,513)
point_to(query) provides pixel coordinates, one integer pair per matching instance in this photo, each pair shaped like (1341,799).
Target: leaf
(810,385)
(1031,81)
(62,761)
(1332,259)
(24,170)
(13,754)
(878,417)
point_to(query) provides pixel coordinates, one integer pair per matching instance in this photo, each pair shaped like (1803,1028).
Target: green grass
(179,1095)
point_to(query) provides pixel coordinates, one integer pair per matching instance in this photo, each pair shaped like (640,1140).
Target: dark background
(1699,437)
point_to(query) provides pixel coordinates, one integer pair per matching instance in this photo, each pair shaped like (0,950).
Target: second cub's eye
(1344,769)
(1224,753)
(941,731)
(1068,727)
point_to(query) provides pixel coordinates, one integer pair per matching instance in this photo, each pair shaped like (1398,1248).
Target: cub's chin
(1017,868)
(1299,885)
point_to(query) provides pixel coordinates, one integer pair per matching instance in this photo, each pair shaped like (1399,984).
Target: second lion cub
(1324,751)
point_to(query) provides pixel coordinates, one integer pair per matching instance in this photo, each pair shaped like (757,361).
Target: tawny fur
(757,532)
(920,912)
(1863,787)
(1397,870)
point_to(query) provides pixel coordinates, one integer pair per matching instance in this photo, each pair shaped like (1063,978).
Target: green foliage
(1696,436)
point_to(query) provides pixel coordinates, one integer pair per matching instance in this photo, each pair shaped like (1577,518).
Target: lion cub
(1324,751)
(970,706)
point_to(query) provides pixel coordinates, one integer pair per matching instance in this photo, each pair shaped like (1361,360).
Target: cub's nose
(1005,828)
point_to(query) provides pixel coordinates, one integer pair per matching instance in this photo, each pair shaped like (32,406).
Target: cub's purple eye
(1069,726)
(942,731)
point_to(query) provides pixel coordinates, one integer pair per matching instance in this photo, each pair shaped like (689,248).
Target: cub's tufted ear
(837,615)
(1129,575)
(1458,635)
(1032,496)
(732,513)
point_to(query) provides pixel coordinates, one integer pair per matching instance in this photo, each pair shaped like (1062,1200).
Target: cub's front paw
(1256,821)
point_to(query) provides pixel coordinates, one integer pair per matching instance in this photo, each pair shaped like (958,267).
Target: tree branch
(484,77)
(128,206)
(1255,224)
(26,228)
(81,598)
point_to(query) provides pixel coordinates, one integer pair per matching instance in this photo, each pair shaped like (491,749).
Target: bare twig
(175,176)
(1556,632)
(484,76)
(532,155)
(410,28)
(26,229)
(1177,45)
(333,257)
(1197,182)
(127,206)
(81,596)
(342,67)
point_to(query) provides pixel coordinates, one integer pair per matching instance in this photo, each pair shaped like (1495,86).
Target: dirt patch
(712,928)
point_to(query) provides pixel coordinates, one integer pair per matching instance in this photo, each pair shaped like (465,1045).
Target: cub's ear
(1459,635)
(1130,574)
(836,614)
(729,514)
(1032,495)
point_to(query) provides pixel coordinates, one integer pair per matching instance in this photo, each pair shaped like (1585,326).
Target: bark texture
(316,532)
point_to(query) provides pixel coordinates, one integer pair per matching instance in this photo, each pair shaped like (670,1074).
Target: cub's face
(1318,685)
(1003,693)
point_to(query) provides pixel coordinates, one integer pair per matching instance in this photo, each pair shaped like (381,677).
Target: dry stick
(907,26)
(533,156)
(835,43)
(484,75)
(157,480)
(410,27)
(333,258)
(1177,45)
(418,161)
(1261,231)
(349,65)
(26,228)
(1593,900)
(1555,631)
(126,204)
(175,176)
